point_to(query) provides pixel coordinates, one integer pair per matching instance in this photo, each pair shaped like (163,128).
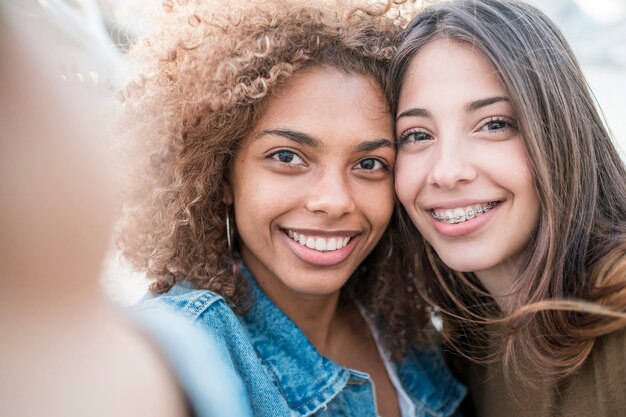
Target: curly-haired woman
(507,171)
(264,203)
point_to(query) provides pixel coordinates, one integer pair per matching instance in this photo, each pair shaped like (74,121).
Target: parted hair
(572,285)
(205,76)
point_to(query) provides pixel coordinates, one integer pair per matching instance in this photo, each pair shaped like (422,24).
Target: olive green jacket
(597,389)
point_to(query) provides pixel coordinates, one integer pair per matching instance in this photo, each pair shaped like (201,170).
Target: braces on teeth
(461,215)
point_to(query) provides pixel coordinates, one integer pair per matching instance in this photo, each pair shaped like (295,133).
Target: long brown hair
(206,74)
(572,288)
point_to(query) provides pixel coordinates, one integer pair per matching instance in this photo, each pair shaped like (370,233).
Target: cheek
(254,186)
(376,196)
(376,202)
(251,201)
(384,202)
(529,202)
(516,165)
(409,179)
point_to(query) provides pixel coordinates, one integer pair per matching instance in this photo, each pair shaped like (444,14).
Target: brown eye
(287,157)
(371,164)
(368,164)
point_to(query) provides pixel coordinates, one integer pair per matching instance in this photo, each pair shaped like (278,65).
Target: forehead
(459,68)
(327,103)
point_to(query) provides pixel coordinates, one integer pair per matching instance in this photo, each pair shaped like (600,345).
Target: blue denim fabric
(286,376)
(211,388)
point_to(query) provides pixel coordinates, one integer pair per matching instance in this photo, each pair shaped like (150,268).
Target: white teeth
(460,215)
(319,243)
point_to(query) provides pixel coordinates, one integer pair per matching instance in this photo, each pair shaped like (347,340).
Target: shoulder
(203,307)
(597,387)
(607,363)
(607,360)
(185,299)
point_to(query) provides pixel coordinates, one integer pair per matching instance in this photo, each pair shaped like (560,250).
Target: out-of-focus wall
(597,31)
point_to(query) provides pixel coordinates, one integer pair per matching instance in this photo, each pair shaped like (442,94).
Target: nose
(452,165)
(330,194)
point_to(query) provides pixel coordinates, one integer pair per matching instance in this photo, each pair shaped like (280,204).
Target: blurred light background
(595,28)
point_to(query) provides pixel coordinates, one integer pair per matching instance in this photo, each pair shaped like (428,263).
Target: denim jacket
(286,376)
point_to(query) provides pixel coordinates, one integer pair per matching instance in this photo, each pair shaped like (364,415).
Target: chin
(317,286)
(318,289)
(464,263)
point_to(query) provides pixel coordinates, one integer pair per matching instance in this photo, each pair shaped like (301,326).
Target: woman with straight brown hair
(518,198)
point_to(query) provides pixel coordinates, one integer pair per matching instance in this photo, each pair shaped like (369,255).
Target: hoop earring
(229,236)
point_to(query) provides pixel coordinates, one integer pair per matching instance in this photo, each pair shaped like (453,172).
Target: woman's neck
(498,281)
(317,317)
(315,314)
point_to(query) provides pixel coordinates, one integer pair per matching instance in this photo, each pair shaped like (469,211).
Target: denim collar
(306,379)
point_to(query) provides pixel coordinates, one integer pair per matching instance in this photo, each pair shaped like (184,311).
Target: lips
(463,218)
(320,247)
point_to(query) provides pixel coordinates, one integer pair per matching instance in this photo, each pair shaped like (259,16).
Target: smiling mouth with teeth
(319,243)
(462,214)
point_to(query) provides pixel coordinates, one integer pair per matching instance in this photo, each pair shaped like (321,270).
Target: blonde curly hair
(206,76)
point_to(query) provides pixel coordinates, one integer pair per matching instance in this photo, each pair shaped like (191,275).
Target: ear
(228,197)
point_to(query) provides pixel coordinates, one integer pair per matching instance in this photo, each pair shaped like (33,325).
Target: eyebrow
(298,137)
(475,105)
(372,145)
(304,139)
(414,112)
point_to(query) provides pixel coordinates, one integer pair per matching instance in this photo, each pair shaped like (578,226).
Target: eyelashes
(290,158)
(493,124)
(372,164)
(498,123)
(413,135)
